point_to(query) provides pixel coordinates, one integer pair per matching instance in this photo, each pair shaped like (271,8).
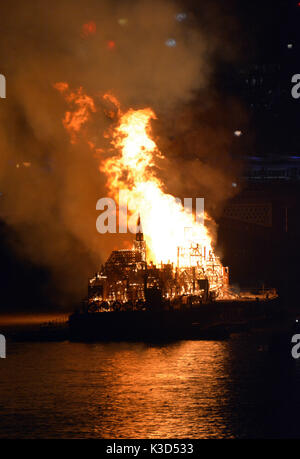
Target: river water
(189,389)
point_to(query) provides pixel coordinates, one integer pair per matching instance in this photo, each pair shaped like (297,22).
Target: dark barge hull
(209,321)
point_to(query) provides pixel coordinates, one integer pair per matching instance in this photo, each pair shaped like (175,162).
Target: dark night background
(259,79)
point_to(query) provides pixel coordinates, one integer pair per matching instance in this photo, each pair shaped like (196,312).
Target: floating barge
(215,321)
(129,299)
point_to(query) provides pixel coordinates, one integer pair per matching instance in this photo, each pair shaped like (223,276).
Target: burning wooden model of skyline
(127,278)
(172,259)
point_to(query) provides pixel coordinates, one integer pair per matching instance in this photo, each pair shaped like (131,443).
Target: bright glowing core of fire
(166,224)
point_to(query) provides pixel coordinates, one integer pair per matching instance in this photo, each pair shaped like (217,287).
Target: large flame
(172,233)
(164,219)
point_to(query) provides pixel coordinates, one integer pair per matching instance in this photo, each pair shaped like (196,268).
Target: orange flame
(84,104)
(163,217)
(171,232)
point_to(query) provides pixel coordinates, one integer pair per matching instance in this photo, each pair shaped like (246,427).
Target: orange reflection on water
(166,392)
(115,390)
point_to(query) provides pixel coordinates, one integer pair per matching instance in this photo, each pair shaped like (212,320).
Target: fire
(163,217)
(172,234)
(73,121)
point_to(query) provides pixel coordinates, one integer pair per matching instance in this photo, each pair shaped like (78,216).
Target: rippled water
(195,389)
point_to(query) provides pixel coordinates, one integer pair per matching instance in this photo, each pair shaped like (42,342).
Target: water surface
(196,389)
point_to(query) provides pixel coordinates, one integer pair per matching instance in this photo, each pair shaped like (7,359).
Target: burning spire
(139,230)
(139,243)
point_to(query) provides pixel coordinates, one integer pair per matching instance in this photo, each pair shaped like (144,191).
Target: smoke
(200,154)
(138,51)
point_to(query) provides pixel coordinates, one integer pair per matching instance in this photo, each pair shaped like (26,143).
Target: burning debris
(128,281)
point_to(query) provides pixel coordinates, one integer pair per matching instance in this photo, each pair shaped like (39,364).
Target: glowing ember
(111,44)
(88,29)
